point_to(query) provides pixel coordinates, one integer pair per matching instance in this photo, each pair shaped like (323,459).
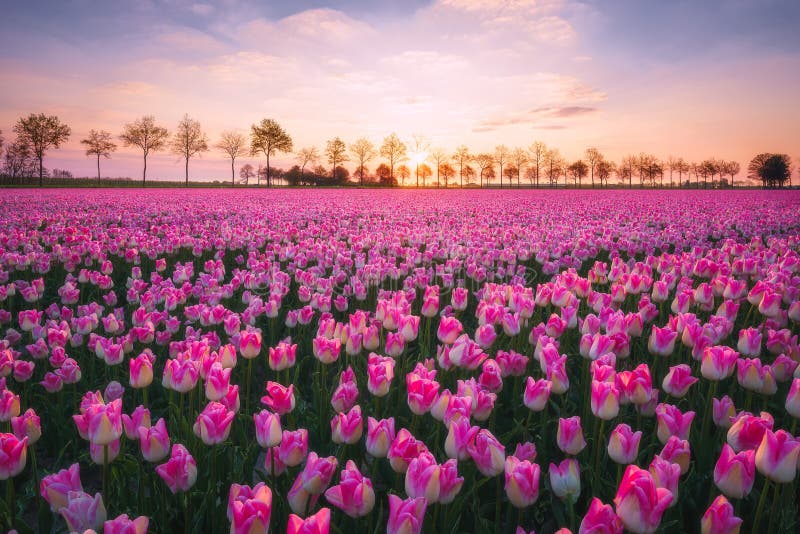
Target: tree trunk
(144,171)
(187,172)
(268,169)
(41,170)
(98,168)
(233,174)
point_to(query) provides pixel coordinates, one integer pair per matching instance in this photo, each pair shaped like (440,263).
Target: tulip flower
(154,441)
(600,519)
(319,523)
(666,475)
(793,399)
(250,509)
(777,456)
(565,479)
(279,399)
(623,445)
(723,412)
(459,435)
(604,400)
(9,406)
(268,429)
(217,382)
(213,424)
(380,372)
(677,451)
(354,494)
(487,453)
(83,512)
(720,518)
(347,427)
(734,473)
(122,524)
(678,381)
(405,516)
(293,447)
(570,435)
(747,431)
(13,455)
(639,503)
(537,393)
(28,425)
(718,362)
(141,371)
(180,471)
(422,477)
(449,329)
(249,344)
(521,482)
(283,356)
(55,488)
(671,422)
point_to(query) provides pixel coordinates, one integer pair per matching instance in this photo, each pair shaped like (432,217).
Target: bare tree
(419,153)
(501,157)
(732,168)
(519,157)
(404,172)
(673,164)
(484,163)
(234,145)
(604,171)
(462,157)
(99,144)
(42,132)
(18,160)
(553,164)
(510,173)
(537,152)
(147,135)
(246,172)
(594,157)
(269,138)
(307,156)
(394,150)
(336,151)
(447,172)
(439,157)
(579,170)
(363,151)
(188,141)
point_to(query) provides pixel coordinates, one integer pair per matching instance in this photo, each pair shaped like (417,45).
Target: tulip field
(378,361)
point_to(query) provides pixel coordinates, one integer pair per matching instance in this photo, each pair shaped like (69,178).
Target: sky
(690,78)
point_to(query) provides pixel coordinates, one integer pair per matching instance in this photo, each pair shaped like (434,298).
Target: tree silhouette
(404,172)
(553,164)
(307,156)
(42,132)
(246,172)
(537,152)
(147,135)
(439,157)
(594,157)
(773,170)
(269,138)
(579,170)
(501,155)
(363,151)
(234,145)
(462,158)
(447,172)
(394,150)
(731,168)
(519,157)
(99,144)
(485,162)
(188,141)
(604,171)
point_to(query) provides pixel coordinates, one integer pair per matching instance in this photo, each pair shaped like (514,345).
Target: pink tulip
(449,329)
(718,362)
(100,423)
(28,425)
(279,399)
(180,471)
(720,518)
(749,342)
(380,372)
(793,399)
(487,453)
(380,435)
(395,344)
(735,473)
(403,449)
(600,519)
(604,400)
(213,424)
(639,385)
(83,512)
(422,477)
(459,435)
(723,412)
(449,482)
(98,452)
(319,523)
(154,441)
(639,502)
(354,494)
(124,525)
(521,482)
(666,475)
(131,423)
(678,380)
(347,427)
(405,516)
(565,479)
(422,393)
(346,393)
(56,487)
(294,447)
(268,429)
(408,326)
(282,356)
(777,456)
(141,371)
(217,382)
(623,444)
(748,430)
(250,509)
(311,482)
(570,435)
(662,341)
(537,393)
(677,451)
(9,405)
(326,350)
(249,344)
(671,422)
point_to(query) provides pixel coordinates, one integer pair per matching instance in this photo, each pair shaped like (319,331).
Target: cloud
(539,118)
(201,9)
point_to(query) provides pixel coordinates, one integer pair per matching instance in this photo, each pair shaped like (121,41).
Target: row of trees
(540,164)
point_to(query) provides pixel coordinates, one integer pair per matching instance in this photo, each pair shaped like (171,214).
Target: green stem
(105,477)
(760,507)
(12,504)
(247,386)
